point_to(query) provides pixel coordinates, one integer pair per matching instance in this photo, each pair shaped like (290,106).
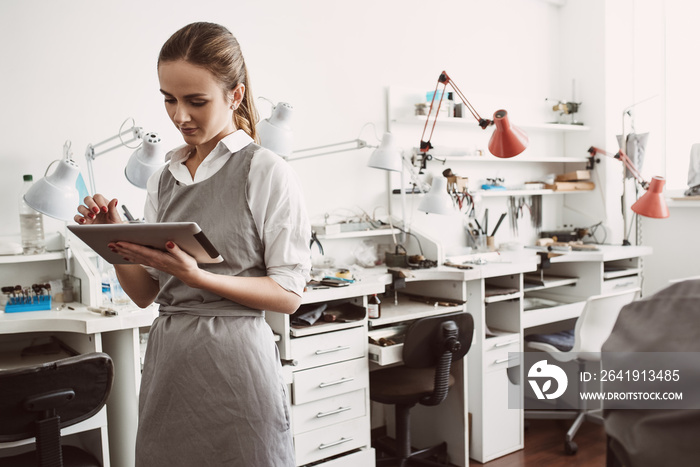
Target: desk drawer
(386,355)
(331,441)
(364,458)
(620,284)
(496,351)
(331,347)
(330,380)
(329,411)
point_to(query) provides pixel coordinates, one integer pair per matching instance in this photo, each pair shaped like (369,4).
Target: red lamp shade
(507,140)
(652,203)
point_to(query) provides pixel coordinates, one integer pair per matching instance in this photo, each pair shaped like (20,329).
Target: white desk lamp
(147,158)
(437,200)
(276,134)
(56,195)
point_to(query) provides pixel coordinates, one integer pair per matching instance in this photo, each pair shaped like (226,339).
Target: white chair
(683,279)
(593,327)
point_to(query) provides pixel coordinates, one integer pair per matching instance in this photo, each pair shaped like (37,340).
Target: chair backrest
(426,339)
(437,341)
(594,325)
(74,388)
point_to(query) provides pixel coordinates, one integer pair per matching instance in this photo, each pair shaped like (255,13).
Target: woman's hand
(173,261)
(97,210)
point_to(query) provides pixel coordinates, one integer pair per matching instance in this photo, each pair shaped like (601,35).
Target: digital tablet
(187,235)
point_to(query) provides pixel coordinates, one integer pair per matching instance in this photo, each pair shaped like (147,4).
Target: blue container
(36,304)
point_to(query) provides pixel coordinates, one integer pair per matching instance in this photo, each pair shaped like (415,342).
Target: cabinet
(327,372)
(508,305)
(495,301)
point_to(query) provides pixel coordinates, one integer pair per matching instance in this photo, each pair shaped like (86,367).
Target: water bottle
(31,223)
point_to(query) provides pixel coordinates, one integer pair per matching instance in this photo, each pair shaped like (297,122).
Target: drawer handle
(333,412)
(503,344)
(335,443)
(501,360)
(336,349)
(333,383)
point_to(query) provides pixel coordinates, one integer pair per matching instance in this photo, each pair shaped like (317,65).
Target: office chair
(430,346)
(582,345)
(38,401)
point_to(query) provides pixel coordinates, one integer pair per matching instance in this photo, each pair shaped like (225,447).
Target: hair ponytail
(246,116)
(214,48)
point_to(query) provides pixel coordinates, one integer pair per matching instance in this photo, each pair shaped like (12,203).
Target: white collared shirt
(285,231)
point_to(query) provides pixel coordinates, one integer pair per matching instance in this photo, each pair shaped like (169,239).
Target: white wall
(683,92)
(76,69)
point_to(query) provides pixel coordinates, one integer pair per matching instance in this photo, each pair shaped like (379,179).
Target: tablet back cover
(187,235)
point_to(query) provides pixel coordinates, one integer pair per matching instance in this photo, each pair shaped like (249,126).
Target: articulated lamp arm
(506,141)
(652,203)
(622,157)
(445,79)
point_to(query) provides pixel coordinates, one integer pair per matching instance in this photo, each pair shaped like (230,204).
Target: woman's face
(196,103)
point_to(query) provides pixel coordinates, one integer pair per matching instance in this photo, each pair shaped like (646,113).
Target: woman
(211,392)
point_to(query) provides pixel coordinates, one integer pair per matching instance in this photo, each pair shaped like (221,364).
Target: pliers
(314,239)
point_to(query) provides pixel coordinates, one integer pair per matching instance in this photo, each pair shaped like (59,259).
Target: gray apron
(212,393)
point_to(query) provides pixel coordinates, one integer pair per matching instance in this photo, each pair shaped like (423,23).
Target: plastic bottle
(374,307)
(31,223)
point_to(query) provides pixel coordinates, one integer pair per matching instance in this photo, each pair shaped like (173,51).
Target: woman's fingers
(90,204)
(113,212)
(98,210)
(101,203)
(173,261)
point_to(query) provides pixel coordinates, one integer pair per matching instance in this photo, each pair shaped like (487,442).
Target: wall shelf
(470,122)
(496,193)
(502,193)
(360,234)
(489,158)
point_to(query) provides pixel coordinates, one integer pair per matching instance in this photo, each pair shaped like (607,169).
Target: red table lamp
(506,141)
(653,203)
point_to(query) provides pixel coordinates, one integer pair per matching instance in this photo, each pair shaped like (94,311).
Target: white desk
(85,331)
(501,321)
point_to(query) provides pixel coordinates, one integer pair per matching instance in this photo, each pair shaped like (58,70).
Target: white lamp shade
(387,156)
(145,161)
(56,195)
(275,133)
(437,200)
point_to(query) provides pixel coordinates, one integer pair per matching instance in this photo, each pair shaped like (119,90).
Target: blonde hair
(213,47)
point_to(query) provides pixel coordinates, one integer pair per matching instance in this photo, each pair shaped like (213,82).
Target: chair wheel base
(387,455)
(570,448)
